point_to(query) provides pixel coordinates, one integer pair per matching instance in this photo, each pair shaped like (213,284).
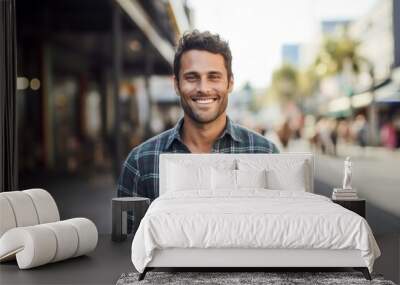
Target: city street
(375,176)
(375,181)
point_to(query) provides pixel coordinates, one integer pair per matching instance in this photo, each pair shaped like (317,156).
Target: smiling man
(203,80)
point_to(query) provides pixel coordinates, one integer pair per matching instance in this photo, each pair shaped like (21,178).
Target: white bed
(209,222)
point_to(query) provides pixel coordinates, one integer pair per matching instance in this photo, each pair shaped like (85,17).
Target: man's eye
(191,78)
(214,77)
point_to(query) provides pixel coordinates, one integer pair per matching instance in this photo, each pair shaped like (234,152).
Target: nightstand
(120,206)
(357,206)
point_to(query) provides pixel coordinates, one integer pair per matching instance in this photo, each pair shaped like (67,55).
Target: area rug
(269,278)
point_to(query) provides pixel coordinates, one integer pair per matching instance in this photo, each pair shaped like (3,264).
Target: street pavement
(376,176)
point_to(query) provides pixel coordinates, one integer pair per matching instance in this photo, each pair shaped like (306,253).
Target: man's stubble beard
(198,118)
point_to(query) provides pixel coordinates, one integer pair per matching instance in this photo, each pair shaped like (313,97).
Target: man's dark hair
(196,40)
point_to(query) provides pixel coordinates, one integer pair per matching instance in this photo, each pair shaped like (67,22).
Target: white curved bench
(31,230)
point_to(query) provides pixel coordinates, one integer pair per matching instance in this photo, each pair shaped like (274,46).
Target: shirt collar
(230,129)
(175,133)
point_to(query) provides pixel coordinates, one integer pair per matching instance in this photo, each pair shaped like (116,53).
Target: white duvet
(251,218)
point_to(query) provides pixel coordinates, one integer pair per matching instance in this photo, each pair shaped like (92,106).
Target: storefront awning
(343,104)
(139,16)
(389,93)
(385,92)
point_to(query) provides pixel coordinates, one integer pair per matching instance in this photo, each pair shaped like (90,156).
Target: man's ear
(176,86)
(231,83)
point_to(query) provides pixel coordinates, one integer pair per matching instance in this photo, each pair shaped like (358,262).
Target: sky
(256,29)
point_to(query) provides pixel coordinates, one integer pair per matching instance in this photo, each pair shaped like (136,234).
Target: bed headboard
(231,159)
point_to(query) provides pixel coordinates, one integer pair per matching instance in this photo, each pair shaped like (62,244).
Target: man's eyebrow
(190,73)
(212,72)
(215,72)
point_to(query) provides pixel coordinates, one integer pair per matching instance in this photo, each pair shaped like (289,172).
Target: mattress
(250,219)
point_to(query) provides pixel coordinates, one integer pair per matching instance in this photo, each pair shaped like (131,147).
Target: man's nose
(203,86)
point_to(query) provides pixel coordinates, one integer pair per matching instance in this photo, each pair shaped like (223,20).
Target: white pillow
(228,179)
(281,174)
(293,180)
(223,179)
(251,178)
(183,177)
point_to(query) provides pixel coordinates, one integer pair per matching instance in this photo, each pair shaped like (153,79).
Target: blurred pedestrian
(343,132)
(284,133)
(280,135)
(360,130)
(388,135)
(333,126)
(310,132)
(324,131)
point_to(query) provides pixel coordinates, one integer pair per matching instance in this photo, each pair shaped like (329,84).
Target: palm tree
(285,83)
(340,55)
(337,55)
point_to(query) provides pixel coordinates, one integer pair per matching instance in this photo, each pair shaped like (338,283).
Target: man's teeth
(204,101)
